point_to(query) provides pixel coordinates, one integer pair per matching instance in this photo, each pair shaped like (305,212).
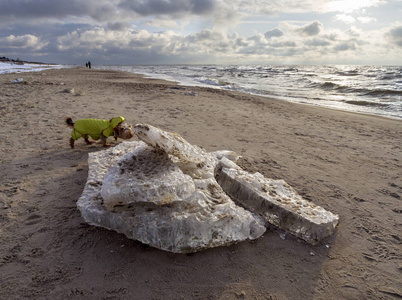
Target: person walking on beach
(89,64)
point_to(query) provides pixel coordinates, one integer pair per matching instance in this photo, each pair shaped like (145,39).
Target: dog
(98,129)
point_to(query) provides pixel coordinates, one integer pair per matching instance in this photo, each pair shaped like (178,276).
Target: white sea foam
(6,67)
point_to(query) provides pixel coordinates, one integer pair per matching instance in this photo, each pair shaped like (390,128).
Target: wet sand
(348,163)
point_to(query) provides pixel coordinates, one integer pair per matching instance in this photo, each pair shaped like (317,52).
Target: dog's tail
(69,122)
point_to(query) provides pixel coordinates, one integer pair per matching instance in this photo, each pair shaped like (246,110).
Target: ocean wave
(214,82)
(348,73)
(291,70)
(331,86)
(390,77)
(366,103)
(382,92)
(328,85)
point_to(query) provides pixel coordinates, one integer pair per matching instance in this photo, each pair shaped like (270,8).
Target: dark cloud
(43,29)
(55,9)
(345,46)
(98,10)
(395,35)
(314,28)
(169,7)
(118,26)
(274,33)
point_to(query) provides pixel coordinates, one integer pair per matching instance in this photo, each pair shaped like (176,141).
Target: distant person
(86,65)
(89,64)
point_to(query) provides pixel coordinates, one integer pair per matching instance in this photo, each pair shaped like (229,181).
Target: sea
(374,90)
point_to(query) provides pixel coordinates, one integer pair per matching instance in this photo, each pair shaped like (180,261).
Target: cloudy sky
(202,31)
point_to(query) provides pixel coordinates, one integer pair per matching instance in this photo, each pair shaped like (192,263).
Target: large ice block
(276,202)
(175,196)
(207,218)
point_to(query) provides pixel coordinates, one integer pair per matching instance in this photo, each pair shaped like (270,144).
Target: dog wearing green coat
(98,129)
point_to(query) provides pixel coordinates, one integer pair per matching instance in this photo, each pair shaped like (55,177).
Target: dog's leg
(104,141)
(86,138)
(71,143)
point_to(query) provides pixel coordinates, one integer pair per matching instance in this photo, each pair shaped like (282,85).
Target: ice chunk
(278,203)
(172,195)
(207,218)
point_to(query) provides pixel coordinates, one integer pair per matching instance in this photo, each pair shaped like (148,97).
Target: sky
(202,31)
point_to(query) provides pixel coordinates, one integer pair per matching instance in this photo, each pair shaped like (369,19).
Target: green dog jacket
(95,128)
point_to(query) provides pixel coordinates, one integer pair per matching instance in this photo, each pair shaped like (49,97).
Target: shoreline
(348,163)
(7,67)
(316,93)
(189,85)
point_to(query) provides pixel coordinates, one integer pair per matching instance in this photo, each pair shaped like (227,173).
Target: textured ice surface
(191,159)
(172,195)
(277,202)
(145,175)
(207,218)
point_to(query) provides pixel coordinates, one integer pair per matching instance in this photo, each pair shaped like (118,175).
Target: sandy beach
(350,164)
